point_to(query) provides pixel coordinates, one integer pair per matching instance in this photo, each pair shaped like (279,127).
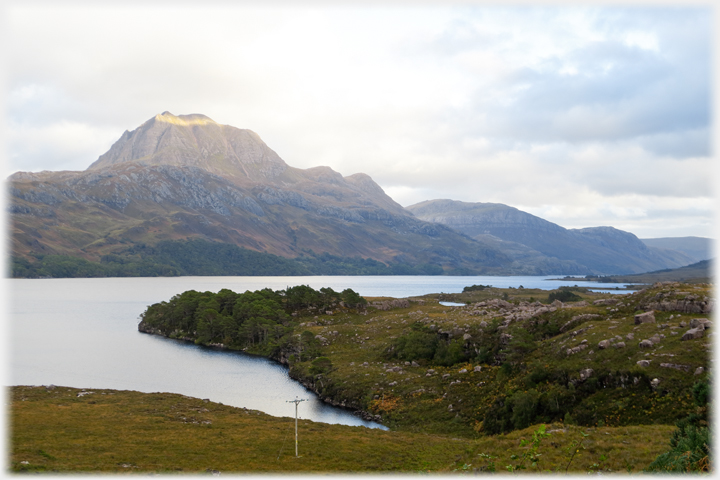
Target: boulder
(603,344)
(696,322)
(655,339)
(646,344)
(643,363)
(477,368)
(647,317)
(630,336)
(619,345)
(699,370)
(693,333)
(585,374)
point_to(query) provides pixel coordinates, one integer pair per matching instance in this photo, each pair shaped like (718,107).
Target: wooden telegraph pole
(296,401)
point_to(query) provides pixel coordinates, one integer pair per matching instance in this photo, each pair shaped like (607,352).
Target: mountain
(698,248)
(603,250)
(186,177)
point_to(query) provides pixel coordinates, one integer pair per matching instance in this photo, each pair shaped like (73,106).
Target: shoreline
(282,360)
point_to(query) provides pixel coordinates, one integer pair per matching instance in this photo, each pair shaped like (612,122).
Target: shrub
(564,295)
(524,406)
(415,345)
(689,452)
(320,365)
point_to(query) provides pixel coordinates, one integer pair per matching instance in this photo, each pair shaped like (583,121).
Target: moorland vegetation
(515,379)
(509,359)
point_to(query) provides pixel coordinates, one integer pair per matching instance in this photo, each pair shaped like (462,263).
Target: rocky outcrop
(577,320)
(682,302)
(389,304)
(606,301)
(684,368)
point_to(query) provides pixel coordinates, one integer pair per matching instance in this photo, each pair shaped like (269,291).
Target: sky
(593,115)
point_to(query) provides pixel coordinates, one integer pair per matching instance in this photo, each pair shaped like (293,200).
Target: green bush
(563,294)
(448,354)
(320,365)
(416,346)
(689,452)
(524,407)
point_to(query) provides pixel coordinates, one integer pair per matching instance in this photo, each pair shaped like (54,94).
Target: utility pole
(296,401)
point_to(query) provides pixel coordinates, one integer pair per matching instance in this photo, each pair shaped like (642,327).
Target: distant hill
(600,249)
(698,248)
(700,272)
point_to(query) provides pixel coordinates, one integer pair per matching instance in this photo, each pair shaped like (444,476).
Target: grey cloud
(640,94)
(620,91)
(685,144)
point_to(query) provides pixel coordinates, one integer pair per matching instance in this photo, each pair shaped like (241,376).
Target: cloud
(596,89)
(549,108)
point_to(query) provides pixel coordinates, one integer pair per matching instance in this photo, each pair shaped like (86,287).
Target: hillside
(177,178)
(61,430)
(599,249)
(697,248)
(700,272)
(506,360)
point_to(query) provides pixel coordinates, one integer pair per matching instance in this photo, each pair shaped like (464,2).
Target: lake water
(82,332)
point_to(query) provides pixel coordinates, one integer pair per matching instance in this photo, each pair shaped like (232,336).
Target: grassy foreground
(60,429)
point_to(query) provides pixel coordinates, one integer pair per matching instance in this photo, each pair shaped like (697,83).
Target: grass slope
(60,429)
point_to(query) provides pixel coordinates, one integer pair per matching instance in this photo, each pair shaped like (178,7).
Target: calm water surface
(83,333)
